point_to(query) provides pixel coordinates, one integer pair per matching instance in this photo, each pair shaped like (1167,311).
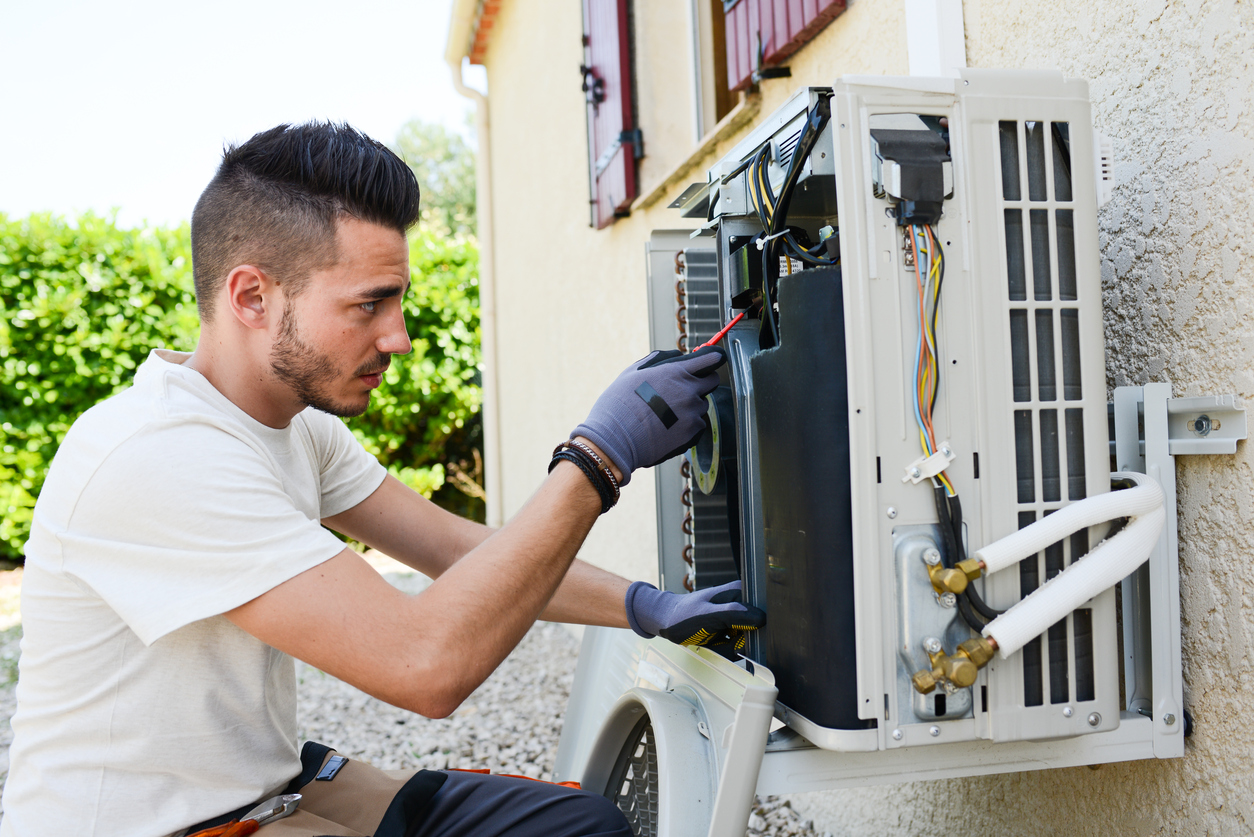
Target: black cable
(765,155)
(972,594)
(950,552)
(738,170)
(816,121)
(768,310)
(949,556)
(803,254)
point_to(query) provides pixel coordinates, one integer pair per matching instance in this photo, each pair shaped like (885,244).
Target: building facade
(566,303)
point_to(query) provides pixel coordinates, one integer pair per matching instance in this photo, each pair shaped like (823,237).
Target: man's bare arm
(403,524)
(428,652)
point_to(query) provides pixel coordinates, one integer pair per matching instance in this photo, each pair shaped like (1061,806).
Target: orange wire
(921,383)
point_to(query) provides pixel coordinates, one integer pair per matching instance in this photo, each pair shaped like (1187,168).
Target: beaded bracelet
(601,477)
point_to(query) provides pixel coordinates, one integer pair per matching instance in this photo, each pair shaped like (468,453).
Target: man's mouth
(373,379)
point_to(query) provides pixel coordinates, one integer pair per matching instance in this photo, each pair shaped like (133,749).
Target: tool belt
(344,798)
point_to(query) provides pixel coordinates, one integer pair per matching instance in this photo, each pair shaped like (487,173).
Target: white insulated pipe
(1100,569)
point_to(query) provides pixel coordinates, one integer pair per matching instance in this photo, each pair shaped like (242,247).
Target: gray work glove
(655,409)
(714,617)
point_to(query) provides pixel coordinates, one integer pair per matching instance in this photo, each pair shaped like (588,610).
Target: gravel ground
(511,724)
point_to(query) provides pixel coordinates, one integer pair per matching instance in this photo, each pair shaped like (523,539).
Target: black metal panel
(801,401)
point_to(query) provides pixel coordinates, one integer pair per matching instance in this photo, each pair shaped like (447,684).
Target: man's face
(337,336)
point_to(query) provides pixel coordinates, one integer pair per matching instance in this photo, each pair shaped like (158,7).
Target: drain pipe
(459,40)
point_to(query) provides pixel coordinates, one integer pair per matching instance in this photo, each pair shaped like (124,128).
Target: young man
(178,559)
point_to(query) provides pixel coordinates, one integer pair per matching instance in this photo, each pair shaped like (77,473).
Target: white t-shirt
(140,708)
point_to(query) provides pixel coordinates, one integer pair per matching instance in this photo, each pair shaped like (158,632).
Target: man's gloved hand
(714,617)
(655,409)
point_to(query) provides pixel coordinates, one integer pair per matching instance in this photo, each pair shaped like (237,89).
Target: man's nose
(395,340)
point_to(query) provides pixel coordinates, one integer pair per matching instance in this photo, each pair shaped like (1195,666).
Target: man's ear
(252,296)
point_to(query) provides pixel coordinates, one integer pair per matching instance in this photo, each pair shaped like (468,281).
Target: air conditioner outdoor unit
(920,375)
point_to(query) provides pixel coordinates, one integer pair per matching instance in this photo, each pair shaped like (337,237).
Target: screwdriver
(723,333)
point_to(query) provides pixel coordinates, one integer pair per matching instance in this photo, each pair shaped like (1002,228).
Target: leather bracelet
(585,464)
(604,468)
(607,478)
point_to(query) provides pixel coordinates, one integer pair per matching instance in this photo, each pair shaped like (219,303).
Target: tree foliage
(82,302)
(444,164)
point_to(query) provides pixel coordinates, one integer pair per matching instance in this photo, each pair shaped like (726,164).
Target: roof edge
(470,30)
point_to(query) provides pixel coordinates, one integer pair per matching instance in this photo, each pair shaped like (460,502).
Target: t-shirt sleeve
(349,474)
(187,522)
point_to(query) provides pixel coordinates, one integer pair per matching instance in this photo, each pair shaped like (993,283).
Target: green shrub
(82,302)
(424,421)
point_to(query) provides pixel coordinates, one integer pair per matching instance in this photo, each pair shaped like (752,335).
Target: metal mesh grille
(1045,373)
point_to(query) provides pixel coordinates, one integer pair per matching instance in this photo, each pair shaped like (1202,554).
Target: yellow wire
(766,195)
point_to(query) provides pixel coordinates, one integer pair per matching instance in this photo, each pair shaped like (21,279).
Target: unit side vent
(708,532)
(1039,216)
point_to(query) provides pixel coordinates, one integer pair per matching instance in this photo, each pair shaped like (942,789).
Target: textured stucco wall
(1172,85)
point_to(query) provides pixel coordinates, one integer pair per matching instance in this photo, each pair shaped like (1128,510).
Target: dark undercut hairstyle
(275,201)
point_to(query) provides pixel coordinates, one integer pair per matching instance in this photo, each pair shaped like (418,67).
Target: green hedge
(83,301)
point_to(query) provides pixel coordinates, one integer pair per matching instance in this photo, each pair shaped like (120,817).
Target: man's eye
(368,307)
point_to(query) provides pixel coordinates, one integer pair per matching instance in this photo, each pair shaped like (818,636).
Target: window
(712,96)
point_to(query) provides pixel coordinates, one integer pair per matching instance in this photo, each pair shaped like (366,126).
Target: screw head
(948,600)
(931,556)
(1169,719)
(1094,719)
(932,645)
(916,473)
(897,736)
(891,512)
(1067,711)
(947,452)
(933,731)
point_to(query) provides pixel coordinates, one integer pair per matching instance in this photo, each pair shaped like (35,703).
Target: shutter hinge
(636,138)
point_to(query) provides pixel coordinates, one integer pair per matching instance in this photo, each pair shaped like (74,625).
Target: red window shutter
(777,28)
(613,141)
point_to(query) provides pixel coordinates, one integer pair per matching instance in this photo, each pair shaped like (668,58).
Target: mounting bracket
(1149,428)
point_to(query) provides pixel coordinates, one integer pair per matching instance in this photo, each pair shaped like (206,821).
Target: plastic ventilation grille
(635,781)
(1039,212)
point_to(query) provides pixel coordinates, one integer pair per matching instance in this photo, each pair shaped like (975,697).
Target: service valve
(959,669)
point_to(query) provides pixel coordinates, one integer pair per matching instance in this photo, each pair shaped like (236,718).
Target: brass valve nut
(978,650)
(947,580)
(969,567)
(923,682)
(960,671)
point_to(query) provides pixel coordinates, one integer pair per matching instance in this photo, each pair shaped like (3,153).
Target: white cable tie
(762,241)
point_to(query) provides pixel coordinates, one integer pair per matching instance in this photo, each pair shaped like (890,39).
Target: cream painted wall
(571,300)
(1173,85)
